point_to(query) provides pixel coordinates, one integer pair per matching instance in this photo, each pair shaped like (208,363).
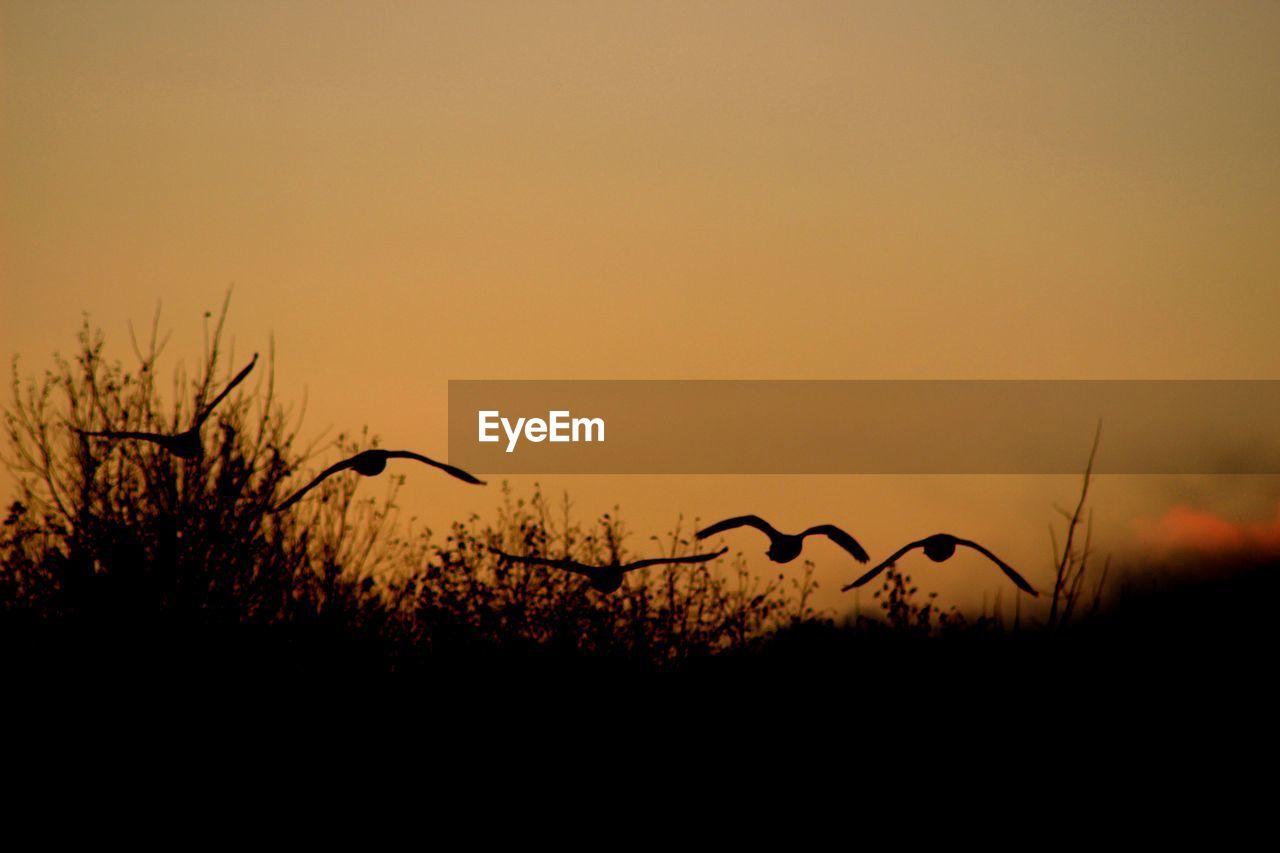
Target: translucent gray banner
(863,426)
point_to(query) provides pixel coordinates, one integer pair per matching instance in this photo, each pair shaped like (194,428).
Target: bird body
(939,548)
(785,547)
(606,578)
(370,463)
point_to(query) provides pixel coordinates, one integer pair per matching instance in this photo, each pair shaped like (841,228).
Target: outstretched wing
(838,536)
(326,473)
(893,558)
(1004,567)
(448,469)
(739,521)
(158,437)
(661,561)
(208,410)
(566,565)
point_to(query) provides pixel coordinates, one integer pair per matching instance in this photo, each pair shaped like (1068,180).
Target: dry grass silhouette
(125,536)
(120,552)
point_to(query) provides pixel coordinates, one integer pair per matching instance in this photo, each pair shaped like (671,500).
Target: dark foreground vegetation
(121,562)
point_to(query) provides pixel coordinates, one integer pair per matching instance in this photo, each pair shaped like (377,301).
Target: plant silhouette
(129,552)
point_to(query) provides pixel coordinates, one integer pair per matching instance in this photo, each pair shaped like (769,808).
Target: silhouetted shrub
(118,537)
(118,553)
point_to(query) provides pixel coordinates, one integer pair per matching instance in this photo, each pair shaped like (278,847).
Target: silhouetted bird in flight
(370,463)
(606,578)
(785,547)
(940,547)
(184,445)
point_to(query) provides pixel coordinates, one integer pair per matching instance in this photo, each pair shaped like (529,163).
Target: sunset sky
(407,193)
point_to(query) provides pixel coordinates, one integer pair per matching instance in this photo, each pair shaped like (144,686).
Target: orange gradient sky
(404,193)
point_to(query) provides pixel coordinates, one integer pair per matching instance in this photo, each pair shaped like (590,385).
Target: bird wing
(327,472)
(566,565)
(659,561)
(893,558)
(208,410)
(738,521)
(448,469)
(838,536)
(142,436)
(1004,567)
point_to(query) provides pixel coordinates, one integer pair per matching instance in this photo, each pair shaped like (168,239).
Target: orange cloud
(1186,528)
